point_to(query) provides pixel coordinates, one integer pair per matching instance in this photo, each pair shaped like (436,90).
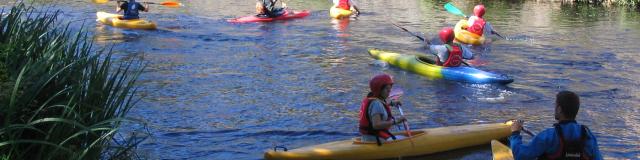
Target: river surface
(216,90)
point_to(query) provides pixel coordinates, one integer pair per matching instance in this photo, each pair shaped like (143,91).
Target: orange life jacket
(477,27)
(344,4)
(455,56)
(366,126)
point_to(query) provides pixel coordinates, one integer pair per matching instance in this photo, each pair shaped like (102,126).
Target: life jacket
(344,4)
(366,125)
(131,12)
(477,27)
(455,56)
(570,150)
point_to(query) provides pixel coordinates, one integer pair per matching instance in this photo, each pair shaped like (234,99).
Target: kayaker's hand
(517,125)
(400,119)
(396,102)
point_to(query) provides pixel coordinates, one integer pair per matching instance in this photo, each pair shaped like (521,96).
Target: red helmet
(378,82)
(446,35)
(478,10)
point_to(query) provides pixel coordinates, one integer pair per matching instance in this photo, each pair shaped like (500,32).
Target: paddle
(423,39)
(394,95)
(357,10)
(528,132)
(454,10)
(523,129)
(165,3)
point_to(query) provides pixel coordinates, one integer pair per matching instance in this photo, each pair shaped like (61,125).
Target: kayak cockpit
(414,134)
(425,60)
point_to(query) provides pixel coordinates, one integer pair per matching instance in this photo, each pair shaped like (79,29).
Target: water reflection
(340,25)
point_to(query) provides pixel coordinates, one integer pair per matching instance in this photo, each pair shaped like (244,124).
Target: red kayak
(285,16)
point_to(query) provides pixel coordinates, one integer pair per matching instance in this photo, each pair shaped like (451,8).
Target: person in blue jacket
(566,140)
(131,9)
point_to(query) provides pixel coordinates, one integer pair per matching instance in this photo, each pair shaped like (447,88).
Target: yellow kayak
(100,1)
(465,36)
(338,13)
(423,142)
(501,151)
(114,20)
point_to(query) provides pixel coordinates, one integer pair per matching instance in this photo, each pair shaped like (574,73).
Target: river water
(215,90)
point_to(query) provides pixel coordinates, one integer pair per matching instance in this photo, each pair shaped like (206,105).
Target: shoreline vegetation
(628,3)
(59,97)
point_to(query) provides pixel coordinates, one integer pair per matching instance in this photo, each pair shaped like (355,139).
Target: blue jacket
(548,142)
(131,10)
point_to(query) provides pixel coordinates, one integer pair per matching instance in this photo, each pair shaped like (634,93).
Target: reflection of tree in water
(586,14)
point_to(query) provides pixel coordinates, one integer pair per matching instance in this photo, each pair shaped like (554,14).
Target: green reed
(59,97)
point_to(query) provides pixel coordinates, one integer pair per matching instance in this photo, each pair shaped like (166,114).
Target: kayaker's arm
(118,6)
(378,123)
(488,28)
(357,10)
(594,145)
(284,5)
(438,51)
(355,7)
(466,52)
(145,8)
(376,112)
(538,145)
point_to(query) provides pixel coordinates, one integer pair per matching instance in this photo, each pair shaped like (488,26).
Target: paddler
(450,54)
(131,9)
(375,112)
(267,8)
(476,24)
(566,140)
(346,5)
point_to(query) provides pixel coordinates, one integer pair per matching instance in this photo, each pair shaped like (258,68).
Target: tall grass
(59,97)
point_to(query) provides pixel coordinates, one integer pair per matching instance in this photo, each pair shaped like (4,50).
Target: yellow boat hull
(338,13)
(465,36)
(100,1)
(423,142)
(114,20)
(409,62)
(501,151)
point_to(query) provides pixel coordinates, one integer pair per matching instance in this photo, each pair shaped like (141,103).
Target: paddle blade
(171,4)
(452,9)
